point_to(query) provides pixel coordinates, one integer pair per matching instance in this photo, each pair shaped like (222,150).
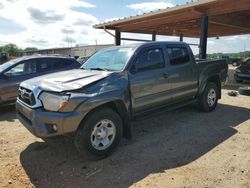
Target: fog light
(51,128)
(54,127)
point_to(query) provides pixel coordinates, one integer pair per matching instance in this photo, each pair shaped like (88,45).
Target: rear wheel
(99,134)
(207,101)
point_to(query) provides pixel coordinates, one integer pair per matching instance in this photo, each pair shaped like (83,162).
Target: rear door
(183,70)
(23,71)
(148,75)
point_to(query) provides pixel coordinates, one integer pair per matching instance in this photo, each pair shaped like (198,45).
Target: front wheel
(207,101)
(99,134)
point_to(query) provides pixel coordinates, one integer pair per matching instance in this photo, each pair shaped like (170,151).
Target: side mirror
(7,75)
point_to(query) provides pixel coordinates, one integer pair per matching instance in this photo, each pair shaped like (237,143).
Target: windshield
(7,65)
(110,59)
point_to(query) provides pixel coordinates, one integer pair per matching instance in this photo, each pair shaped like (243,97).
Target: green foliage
(231,55)
(11,49)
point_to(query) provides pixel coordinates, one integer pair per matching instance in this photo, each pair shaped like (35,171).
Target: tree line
(232,55)
(244,54)
(14,50)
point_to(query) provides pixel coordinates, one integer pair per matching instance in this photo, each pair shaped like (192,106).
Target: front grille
(26,96)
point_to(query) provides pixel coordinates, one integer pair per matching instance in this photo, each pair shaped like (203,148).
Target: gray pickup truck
(116,85)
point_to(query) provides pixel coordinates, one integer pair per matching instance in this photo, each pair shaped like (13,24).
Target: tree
(11,49)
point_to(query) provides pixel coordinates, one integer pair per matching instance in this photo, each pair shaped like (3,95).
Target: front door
(148,78)
(13,77)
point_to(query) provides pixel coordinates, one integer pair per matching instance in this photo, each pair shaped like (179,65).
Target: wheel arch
(214,79)
(119,107)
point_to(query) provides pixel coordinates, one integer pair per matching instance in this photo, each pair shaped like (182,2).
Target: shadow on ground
(166,141)
(7,112)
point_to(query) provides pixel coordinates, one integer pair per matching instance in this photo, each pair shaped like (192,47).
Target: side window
(61,63)
(66,63)
(178,55)
(46,65)
(25,68)
(50,64)
(149,60)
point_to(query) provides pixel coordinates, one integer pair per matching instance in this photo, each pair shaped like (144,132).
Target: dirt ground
(184,148)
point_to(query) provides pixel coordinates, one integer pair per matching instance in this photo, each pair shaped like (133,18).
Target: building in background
(79,51)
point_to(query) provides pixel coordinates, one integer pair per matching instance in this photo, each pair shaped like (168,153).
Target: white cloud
(49,23)
(211,42)
(150,6)
(233,38)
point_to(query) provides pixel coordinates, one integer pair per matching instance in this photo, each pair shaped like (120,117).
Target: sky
(65,23)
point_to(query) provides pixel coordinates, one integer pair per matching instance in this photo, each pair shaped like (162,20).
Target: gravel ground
(182,148)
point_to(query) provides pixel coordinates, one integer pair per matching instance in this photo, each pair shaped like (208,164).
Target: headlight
(237,70)
(53,102)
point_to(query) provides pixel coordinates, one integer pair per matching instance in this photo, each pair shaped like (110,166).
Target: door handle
(165,75)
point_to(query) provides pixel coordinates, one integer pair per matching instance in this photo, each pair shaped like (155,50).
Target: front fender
(103,98)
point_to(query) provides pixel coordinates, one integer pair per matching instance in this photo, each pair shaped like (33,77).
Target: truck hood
(66,80)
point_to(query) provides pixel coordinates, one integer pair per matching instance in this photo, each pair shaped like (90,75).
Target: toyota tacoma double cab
(115,86)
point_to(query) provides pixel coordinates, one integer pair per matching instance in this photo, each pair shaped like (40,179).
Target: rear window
(178,55)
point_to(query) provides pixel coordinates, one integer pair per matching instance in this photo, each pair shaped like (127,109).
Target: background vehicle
(114,86)
(13,72)
(242,73)
(233,61)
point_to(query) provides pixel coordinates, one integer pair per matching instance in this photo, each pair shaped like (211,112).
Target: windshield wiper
(100,69)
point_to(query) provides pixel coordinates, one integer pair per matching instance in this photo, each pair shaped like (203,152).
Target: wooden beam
(173,10)
(139,40)
(229,25)
(227,6)
(158,21)
(184,25)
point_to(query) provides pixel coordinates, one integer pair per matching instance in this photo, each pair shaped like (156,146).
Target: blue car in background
(13,72)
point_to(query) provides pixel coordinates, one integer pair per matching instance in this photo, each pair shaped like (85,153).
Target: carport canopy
(204,18)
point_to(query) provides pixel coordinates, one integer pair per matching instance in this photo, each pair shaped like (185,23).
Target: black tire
(83,135)
(244,91)
(203,98)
